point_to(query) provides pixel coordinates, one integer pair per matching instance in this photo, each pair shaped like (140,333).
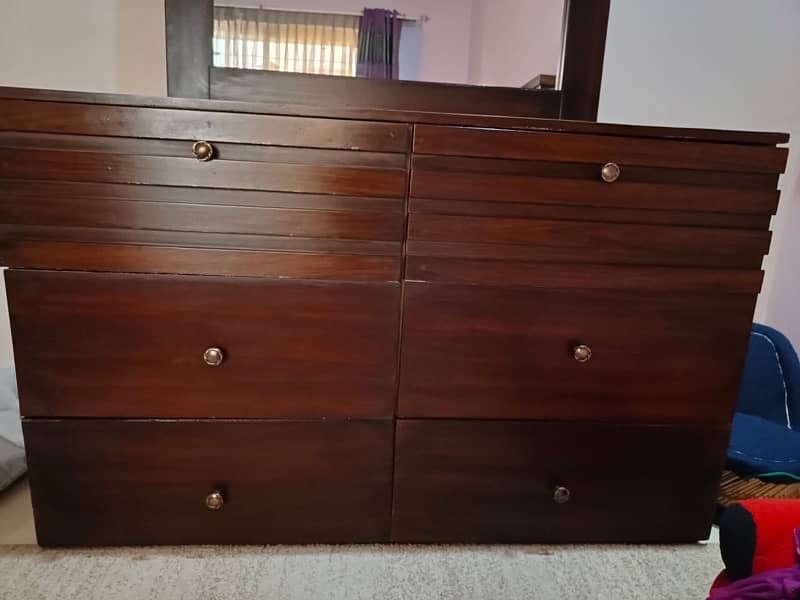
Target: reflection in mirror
(509,43)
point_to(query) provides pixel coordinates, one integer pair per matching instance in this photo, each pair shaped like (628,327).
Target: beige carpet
(356,572)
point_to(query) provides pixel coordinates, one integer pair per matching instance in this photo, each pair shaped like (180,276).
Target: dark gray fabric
(12,450)
(379,44)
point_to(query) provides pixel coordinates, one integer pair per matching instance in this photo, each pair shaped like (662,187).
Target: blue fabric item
(771,381)
(759,446)
(766,428)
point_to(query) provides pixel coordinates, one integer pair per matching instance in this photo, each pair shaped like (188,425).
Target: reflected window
(289,41)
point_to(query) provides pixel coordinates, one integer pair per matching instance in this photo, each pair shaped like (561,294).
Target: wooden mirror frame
(191,74)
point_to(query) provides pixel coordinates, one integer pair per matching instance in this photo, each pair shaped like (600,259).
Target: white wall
(514,40)
(92,45)
(730,64)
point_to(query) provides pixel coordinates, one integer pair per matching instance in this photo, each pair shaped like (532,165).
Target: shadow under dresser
(239,323)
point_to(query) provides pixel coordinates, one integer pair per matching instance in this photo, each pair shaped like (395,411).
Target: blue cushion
(760,447)
(771,380)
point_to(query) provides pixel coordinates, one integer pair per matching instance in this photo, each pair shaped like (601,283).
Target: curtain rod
(401,16)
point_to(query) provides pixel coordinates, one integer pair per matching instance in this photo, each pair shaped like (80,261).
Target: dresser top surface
(434,118)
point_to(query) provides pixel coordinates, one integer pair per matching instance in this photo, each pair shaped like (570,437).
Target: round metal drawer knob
(203,151)
(561,495)
(213,357)
(582,353)
(610,172)
(214,500)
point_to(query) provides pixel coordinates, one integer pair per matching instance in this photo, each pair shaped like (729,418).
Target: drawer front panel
(478,352)
(498,482)
(185,171)
(534,222)
(133,346)
(570,147)
(109,175)
(544,184)
(139,482)
(164,123)
(443,236)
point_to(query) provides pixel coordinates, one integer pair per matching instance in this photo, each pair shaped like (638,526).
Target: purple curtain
(378,44)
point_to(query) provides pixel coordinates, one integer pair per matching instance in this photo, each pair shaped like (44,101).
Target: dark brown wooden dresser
(247,323)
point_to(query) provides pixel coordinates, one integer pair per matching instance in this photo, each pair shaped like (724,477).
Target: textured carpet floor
(356,572)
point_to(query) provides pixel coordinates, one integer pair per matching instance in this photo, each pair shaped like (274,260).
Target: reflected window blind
(277,40)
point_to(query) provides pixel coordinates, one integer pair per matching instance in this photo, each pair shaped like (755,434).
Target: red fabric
(776,520)
(721,581)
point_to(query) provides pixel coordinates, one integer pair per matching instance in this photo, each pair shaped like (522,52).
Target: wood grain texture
(138,258)
(523,189)
(493,482)
(504,353)
(568,254)
(347,278)
(173,171)
(103,345)
(585,214)
(570,241)
(582,276)
(583,45)
(462,141)
(550,169)
(352,93)
(183,148)
(98,483)
(34,192)
(177,239)
(759,138)
(358,225)
(132,121)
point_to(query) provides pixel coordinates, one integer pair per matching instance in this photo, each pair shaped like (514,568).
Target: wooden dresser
(244,323)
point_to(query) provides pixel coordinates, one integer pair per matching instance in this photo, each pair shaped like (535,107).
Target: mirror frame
(191,74)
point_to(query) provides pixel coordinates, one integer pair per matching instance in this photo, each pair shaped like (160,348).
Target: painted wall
(92,45)
(512,41)
(729,64)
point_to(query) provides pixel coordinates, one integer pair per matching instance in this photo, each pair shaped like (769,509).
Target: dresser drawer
(481,352)
(150,482)
(108,345)
(76,118)
(513,481)
(120,188)
(537,240)
(596,149)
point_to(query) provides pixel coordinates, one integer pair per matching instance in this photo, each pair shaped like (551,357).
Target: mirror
(506,43)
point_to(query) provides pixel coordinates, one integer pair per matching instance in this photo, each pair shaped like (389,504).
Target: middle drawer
(571,354)
(113,345)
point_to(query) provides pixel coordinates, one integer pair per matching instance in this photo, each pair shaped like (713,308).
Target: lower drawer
(512,481)
(100,482)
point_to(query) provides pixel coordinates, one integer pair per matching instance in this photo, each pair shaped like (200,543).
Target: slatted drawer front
(200,192)
(505,207)
(599,355)
(111,345)
(209,482)
(507,481)
(581,148)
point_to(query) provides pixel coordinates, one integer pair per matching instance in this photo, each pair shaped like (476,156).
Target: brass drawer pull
(610,172)
(582,353)
(215,500)
(561,495)
(213,357)
(203,151)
